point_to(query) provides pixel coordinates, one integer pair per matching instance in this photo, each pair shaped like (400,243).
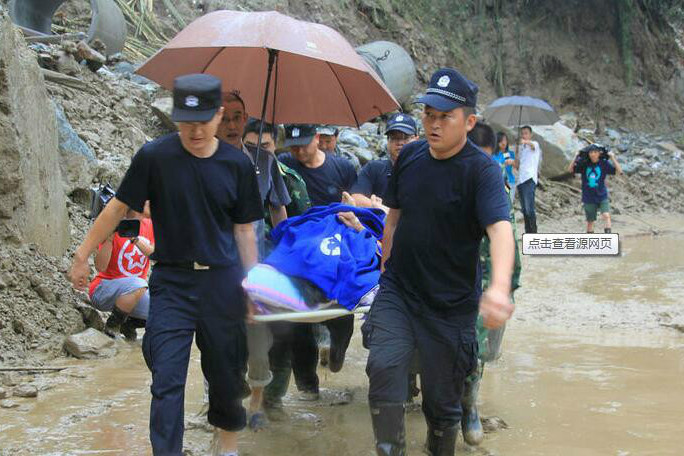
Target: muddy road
(593,364)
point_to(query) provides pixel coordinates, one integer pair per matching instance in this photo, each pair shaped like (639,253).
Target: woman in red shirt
(121,283)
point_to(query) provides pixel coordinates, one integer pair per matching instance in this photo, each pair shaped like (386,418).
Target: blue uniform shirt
(373,178)
(445,207)
(195,202)
(326,183)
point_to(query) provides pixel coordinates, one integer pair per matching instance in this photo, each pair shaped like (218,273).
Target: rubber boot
(441,442)
(473,434)
(388,427)
(113,325)
(128,328)
(274,393)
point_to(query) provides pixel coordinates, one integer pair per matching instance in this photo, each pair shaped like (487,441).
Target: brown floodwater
(609,387)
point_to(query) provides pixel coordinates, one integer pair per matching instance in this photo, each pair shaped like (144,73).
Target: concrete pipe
(394,66)
(107,22)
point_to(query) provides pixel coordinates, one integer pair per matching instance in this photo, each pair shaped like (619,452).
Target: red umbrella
(292,71)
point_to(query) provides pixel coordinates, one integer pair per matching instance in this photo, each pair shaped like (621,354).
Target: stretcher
(312,316)
(278,299)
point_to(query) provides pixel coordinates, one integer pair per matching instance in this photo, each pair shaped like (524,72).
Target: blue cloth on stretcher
(316,246)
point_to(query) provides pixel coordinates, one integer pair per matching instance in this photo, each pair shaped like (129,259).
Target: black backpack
(99,197)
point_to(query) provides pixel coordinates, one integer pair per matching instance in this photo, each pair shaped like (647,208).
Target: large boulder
(90,343)
(32,199)
(77,159)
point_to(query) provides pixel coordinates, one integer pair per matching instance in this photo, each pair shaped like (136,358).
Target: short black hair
(234,95)
(253,127)
(483,135)
(526,127)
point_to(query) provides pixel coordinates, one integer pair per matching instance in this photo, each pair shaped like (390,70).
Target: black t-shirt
(194,201)
(326,183)
(373,178)
(445,207)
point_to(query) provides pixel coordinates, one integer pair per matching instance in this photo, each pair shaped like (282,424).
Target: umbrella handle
(272,56)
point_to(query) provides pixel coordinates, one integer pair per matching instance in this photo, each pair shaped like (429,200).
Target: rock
(11,379)
(8,404)
(162,108)
(364,155)
(67,64)
(26,391)
(141,80)
(77,159)
(3,393)
(18,326)
(46,294)
(613,135)
(129,105)
(90,343)
(671,148)
(91,317)
(32,200)
(3,285)
(348,136)
(124,68)
(644,172)
(369,128)
(493,423)
(90,136)
(93,58)
(622,148)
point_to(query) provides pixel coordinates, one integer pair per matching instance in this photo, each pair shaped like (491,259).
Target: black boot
(128,328)
(607,230)
(388,427)
(471,426)
(116,319)
(441,442)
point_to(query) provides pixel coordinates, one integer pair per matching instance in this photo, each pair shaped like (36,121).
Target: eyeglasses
(398,137)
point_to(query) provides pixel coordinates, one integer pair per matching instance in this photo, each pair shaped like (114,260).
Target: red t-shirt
(127,260)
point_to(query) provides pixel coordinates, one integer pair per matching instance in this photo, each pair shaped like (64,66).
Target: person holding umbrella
(527,162)
(443,195)
(204,200)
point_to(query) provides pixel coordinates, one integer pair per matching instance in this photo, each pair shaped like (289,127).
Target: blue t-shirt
(195,202)
(326,183)
(445,207)
(373,178)
(594,188)
(501,157)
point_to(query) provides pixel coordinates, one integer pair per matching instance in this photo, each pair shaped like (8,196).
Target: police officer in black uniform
(203,197)
(444,194)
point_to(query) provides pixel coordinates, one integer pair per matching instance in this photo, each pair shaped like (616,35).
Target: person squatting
(440,194)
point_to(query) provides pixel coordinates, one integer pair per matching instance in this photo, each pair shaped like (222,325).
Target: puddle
(587,370)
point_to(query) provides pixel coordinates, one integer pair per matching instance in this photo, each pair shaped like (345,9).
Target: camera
(99,197)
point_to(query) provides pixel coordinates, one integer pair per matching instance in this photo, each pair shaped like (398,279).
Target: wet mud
(593,364)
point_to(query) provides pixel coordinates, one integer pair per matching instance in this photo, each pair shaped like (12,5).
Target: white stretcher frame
(312,316)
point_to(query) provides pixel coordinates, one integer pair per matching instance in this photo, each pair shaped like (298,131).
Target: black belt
(192,265)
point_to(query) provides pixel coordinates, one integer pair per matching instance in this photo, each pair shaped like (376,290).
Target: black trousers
(446,342)
(295,347)
(210,306)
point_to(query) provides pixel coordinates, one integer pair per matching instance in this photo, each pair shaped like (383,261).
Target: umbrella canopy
(313,75)
(519,110)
